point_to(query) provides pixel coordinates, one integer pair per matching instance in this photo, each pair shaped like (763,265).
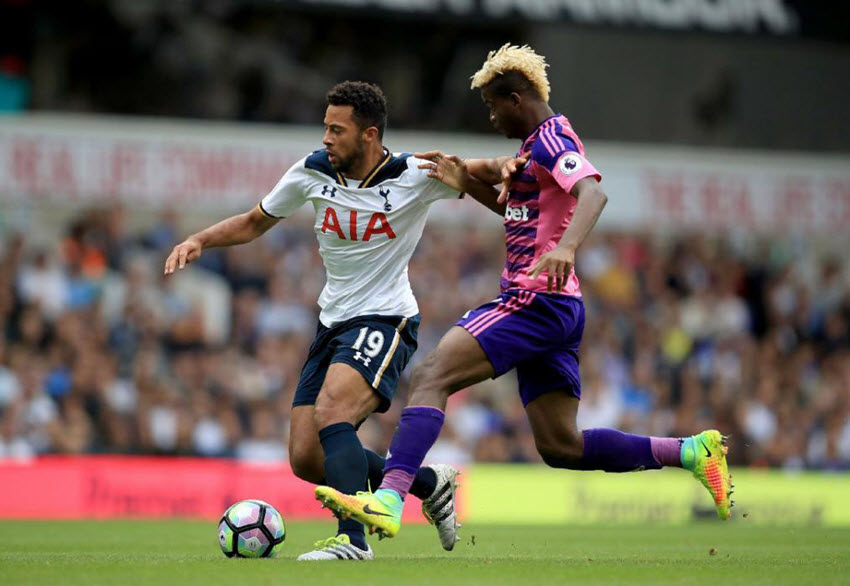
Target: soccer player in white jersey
(550,202)
(370,210)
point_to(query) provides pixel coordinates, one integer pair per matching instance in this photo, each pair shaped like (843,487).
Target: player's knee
(566,453)
(426,382)
(332,406)
(421,373)
(327,413)
(428,395)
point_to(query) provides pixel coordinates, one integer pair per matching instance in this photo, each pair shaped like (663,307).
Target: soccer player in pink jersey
(551,199)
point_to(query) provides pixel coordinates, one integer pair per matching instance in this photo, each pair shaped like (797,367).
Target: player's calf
(305,467)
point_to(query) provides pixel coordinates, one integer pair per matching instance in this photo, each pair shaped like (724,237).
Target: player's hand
(557,264)
(449,169)
(508,170)
(183,254)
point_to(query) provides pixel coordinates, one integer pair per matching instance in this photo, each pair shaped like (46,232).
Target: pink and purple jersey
(540,205)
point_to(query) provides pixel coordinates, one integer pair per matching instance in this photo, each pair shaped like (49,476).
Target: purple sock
(614,451)
(417,431)
(667,451)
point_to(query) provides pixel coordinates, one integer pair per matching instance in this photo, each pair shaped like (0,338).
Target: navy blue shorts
(377,346)
(536,333)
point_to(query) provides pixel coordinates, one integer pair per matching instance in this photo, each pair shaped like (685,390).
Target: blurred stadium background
(717,283)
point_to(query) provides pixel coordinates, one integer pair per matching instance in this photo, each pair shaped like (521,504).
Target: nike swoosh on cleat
(707,452)
(369,511)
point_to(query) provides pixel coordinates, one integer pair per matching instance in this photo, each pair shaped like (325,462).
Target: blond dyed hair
(514,58)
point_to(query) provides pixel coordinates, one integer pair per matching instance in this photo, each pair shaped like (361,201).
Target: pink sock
(667,450)
(398,480)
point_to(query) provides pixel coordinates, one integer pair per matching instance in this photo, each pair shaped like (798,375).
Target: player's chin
(503,131)
(341,165)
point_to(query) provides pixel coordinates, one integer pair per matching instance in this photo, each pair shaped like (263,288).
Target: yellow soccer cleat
(704,454)
(379,511)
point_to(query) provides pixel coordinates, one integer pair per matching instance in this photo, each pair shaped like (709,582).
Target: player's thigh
(345,396)
(553,422)
(522,325)
(457,362)
(305,452)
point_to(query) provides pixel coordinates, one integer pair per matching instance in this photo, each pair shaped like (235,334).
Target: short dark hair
(510,82)
(367,100)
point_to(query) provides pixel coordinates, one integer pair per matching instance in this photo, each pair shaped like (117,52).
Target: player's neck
(371,158)
(536,114)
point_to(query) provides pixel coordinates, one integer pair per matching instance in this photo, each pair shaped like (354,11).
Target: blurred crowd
(102,354)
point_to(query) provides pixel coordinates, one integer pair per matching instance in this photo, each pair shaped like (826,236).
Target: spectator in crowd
(101,355)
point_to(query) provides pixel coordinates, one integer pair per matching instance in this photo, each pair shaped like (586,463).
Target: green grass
(186,553)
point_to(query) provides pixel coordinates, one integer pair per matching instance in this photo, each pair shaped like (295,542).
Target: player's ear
(515,99)
(371,133)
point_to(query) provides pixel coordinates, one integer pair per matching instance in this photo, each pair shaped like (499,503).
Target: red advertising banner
(102,487)
(59,162)
(67,169)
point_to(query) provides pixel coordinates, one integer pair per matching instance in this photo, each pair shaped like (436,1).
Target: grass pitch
(187,554)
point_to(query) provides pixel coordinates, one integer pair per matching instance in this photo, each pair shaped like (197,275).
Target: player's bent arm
(237,229)
(487,170)
(495,171)
(454,172)
(558,262)
(591,200)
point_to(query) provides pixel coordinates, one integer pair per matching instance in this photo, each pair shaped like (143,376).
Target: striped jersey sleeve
(562,155)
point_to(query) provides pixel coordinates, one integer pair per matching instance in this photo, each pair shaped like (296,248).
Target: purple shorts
(536,333)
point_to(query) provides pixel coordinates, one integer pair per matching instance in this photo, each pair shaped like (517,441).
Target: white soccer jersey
(367,232)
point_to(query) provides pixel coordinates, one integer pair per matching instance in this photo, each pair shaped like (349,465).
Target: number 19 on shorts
(374,341)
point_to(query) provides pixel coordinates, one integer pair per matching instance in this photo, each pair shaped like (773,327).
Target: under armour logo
(385,193)
(329,190)
(366,360)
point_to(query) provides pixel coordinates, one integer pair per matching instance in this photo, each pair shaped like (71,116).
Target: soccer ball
(251,529)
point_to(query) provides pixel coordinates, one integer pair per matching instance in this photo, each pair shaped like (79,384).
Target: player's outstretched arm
(499,170)
(558,262)
(454,172)
(487,170)
(237,229)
